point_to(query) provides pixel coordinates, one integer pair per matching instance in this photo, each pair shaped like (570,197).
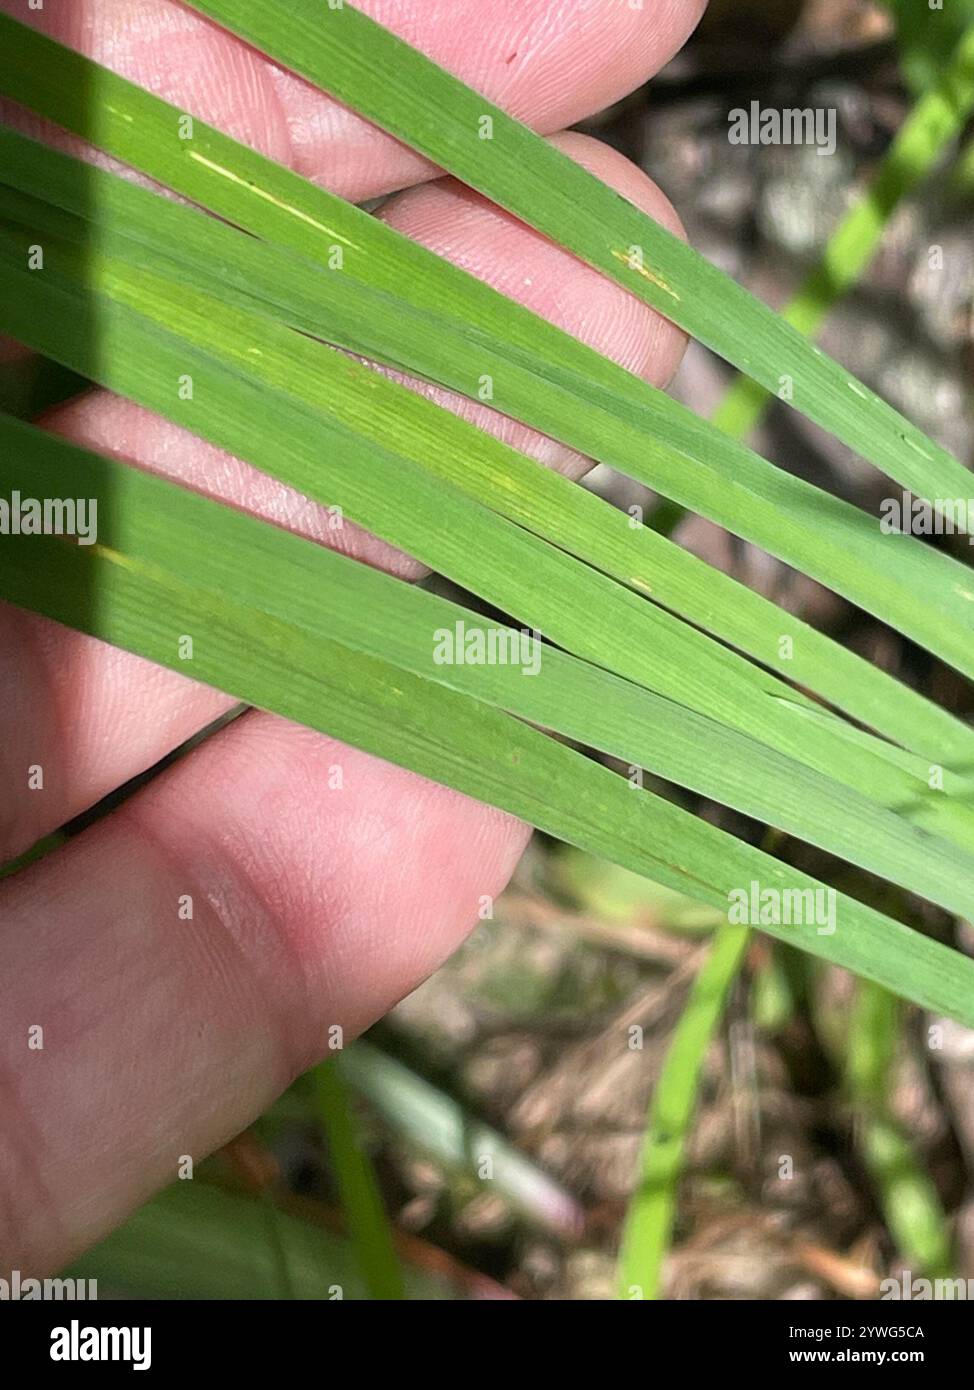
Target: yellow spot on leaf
(626,260)
(114,557)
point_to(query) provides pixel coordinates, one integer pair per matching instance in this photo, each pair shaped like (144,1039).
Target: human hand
(312,907)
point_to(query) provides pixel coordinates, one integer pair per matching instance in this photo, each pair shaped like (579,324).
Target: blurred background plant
(807,1135)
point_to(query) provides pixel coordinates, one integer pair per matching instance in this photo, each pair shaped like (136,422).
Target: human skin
(312,907)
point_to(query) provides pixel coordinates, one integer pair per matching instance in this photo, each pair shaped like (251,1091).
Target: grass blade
(649,1219)
(909,1200)
(146,605)
(936,119)
(576,607)
(539,584)
(362,1204)
(913,1210)
(544,377)
(341,49)
(438,1125)
(374,614)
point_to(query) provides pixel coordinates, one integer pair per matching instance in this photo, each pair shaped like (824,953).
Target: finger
(314,908)
(533,57)
(93,717)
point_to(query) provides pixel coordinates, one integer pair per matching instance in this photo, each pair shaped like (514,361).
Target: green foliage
(651,656)
(926,34)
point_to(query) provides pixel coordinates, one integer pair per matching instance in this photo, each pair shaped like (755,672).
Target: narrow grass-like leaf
(372,613)
(368,1225)
(438,1125)
(925,47)
(147,303)
(910,1202)
(936,119)
(913,1209)
(341,50)
(517,487)
(390,494)
(649,1220)
(444,734)
(546,378)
